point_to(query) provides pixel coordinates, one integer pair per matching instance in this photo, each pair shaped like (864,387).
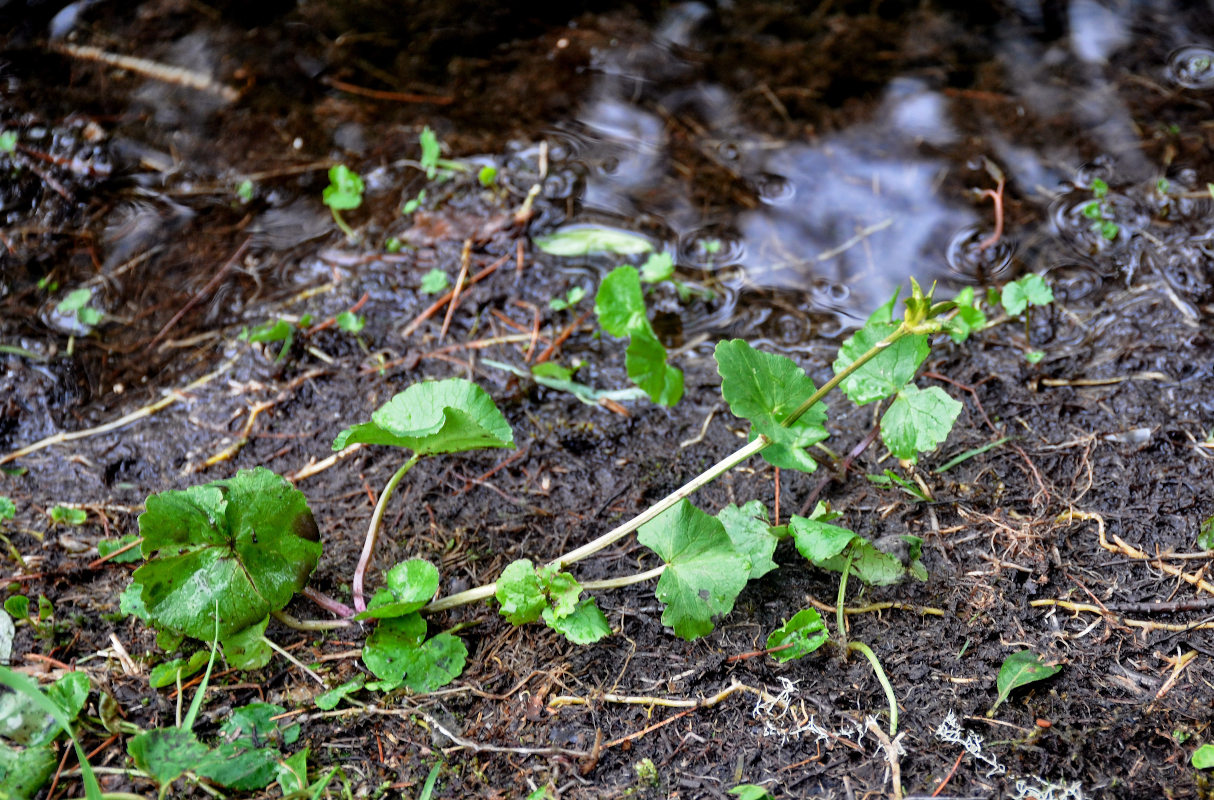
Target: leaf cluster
(620,305)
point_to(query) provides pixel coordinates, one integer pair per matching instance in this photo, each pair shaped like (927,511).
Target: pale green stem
(377,518)
(706,477)
(861,647)
(627,580)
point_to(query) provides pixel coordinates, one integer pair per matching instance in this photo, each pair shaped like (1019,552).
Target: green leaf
(166,753)
(412,205)
(1100,188)
(819,541)
(447,416)
(70,516)
(255,724)
(8,141)
(74,301)
(703,575)
(571,299)
(247,648)
(585,624)
(1034,356)
(658,267)
(1020,669)
(166,674)
(7,508)
(240,766)
(889,370)
(1029,290)
(1203,757)
(585,240)
(327,701)
(351,323)
(410,585)
(244,192)
(918,421)
(620,305)
(751,535)
(562,590)
(828,547)
(519,593)
(805,632)
(765,388)
(1205,538)
(750,791)
(247,543)
(28,691)
(18,606)
(435,281)
(107,546)
(968,318)
(345,189)
(487,176)
(645,361)
(292,773)
(432,150)
(398,653)
(23,772)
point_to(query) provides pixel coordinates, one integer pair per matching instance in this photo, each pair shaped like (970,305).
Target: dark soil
(126,185)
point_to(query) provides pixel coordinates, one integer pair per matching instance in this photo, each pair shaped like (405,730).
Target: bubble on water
(774,190)
(1092,226)
(1099,170)
(562,183)
(1192,67)
(828,293)
(728,151)
(710,247)
(1072,282)
(973,263)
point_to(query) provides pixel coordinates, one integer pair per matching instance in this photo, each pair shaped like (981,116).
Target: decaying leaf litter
(1042,542)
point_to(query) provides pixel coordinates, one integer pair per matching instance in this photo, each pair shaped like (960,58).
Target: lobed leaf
(585,624)
(410,585)
(519,593)
(918,421)
(620,306)
(399,654)
(562,590)
(805,632)
(447,416)
(752,536)
(166,753)
(704,573)
(1029,290)
(327,701)
(889,370)
(247,543)
(765,388)
(248,648)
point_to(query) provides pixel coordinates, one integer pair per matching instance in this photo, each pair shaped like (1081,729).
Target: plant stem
(861,647)
(840,619)
(627,580)
(328,603)
(294,661)
(706,477)
(341,223)
(377,517)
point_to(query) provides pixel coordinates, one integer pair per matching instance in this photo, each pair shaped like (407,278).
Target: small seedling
(487,176)
(750,791)
(8,141)
(1203,757)
(1020,669)
(279,330)
(620,306)
(435,281)
(350,322)
(393,245)
(1099,212)
(1020,295)
(571,299)
(77,304)
(432,161)
(344,192)
(589,240)
(244,192)
(67,516)
(412,205)
(8,509)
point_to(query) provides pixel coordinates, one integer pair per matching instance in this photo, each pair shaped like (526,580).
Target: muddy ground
(127,185)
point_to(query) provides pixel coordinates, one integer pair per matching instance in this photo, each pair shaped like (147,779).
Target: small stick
(380,94)
(950,774)
(464,258)
(560,340)
(442,301)
(166,73)
(893,749)
(777,482)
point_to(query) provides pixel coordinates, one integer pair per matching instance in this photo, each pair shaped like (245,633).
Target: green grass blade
(968,454)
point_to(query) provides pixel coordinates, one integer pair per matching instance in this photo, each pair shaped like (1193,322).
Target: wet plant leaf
(399,654)
(292,772)
(23,772)
(238,766)
(69,516)
(751,535)
(889,370)
(7,508)
(409,586)
(58,704)
(969,316)
(587,240)
(765,388)
(805,632)
(704,573)
(247,648)
(432,150)
(658,267)
(329,700)
(166,753)
(585,624)
(1203,757)
(107,546)
(750,791)
(247,543)
(829,546)
(1020,669)
(562,590)
(918,421)
(519,593)
(1205,539)
(1029,290)
(435,281)
(345,189)
(620,306)
(447,416)
(166,674)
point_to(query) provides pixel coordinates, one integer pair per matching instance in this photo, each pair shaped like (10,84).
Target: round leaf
(918,421)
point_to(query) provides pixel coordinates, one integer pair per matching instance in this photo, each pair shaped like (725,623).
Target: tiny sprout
(344,192)
(351,323)
(434,281)
(393,245)
(487,176)
(8,141)
(70,516)
(244,192)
